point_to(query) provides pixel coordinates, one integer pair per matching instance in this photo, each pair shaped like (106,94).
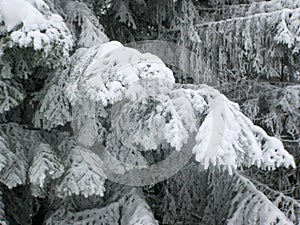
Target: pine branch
(16,145)
(10,95)
(41,31)
(224,12)
(273,14)
(288,205)
(244,203)
(84,175)
(13,167)
(45,166)
(3,220)
(129,209)
(91,32)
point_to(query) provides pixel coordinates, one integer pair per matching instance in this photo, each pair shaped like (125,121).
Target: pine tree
(79,114)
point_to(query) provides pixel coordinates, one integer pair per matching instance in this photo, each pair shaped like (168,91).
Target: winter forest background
(63,83)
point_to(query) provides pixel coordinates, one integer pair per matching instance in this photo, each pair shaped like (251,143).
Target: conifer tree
(84,119)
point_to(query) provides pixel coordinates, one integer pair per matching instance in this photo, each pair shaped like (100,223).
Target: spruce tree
(95,132)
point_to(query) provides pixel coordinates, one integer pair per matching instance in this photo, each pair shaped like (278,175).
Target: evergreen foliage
(64,89)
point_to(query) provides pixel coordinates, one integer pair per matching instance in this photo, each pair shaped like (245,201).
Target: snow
(91,32)
(3,157)
(174,131)
(31,24)
(288,30)
(15,12)
(115,68)
(152,110)
(85,175)
(250,206)
(45,163)
(229,140)
(40,5)
(284,35)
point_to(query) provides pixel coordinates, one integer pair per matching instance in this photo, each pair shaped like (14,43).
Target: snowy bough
(121,104)
(137,95)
